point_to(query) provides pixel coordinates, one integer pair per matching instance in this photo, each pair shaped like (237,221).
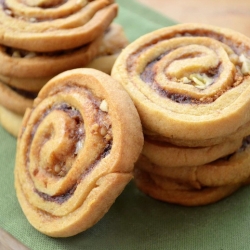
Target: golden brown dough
(76,151)
(15,100)
(66,28)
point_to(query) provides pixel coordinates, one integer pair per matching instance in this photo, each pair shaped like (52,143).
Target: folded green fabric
(135,221)
(138,20)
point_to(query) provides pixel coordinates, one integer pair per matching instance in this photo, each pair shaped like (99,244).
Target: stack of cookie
(191,86)
(40,39)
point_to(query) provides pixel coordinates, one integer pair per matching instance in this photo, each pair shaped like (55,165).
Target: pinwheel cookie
(191,86)
(189,82)
(75,151)
(171,191)
(54,25)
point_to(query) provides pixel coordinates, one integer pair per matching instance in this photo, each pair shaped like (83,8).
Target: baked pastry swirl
(44,26)
(188,77)
(75,152)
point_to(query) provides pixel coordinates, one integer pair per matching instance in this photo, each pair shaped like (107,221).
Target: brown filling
(58,199)
(64,197)
(148,76)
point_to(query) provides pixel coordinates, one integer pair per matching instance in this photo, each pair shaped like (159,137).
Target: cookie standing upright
(76,151)
(191,86)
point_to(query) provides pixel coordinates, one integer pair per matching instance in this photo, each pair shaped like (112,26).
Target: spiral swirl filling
(64,197)
(57,145)
(203,64)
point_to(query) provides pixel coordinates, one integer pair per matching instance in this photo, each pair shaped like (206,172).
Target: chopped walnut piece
(234,58)
(108,137)
(245,67)
(104,106)
(185,80)
(62,173)
(16,54)
(33,20)
(8,12)
(78,147)
(201,81)
(30,55)
(103,131)
(95,128)
(57,168)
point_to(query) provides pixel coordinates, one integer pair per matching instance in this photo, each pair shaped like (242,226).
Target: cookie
(185,175)
(76,151)
(181,194)
(15,100)
(189,82)
(229,170)
(32,85)
(241,132)
(26,64)
(166,154)
(63,26)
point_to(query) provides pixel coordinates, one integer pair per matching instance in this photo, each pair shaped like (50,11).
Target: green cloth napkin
(135,221)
